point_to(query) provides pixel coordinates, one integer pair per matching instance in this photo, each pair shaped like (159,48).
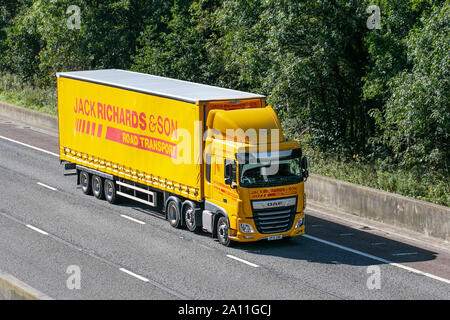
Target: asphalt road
(49,228)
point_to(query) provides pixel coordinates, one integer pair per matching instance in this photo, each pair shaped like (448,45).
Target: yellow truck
(208,158)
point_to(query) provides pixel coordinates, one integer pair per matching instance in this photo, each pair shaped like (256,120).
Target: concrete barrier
(427,218)
(29,116)
(14,289)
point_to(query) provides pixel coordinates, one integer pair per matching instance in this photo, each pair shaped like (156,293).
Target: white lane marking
(398,265)
(46,186)
(134,275)
(377,243)
(36,229)
(404,253)
(29,146)
(346,234)
(242,260)
(132,219)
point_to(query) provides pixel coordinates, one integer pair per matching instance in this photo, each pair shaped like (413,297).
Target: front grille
(274,220)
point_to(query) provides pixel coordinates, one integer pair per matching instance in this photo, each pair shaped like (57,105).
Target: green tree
(114,26)
(8,10)
(22,43)
(387,50)
(179,49)
(64,49)
(314,78)
(239,56)
(40,43)
(415,122)
(306,56)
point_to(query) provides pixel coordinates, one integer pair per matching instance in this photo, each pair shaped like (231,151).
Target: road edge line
(367,255)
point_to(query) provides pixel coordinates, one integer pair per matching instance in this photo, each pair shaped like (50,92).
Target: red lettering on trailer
(99,132)
(154,145)
(159,124)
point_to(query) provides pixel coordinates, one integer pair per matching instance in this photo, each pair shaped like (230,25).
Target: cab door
(208,177)
(225,195)
(218,184)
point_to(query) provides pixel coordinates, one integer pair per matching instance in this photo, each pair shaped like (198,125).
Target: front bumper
(240,236)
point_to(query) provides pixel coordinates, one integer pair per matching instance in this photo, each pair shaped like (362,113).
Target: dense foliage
(349,92)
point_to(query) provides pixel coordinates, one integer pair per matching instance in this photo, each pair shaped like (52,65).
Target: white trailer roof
(159,86)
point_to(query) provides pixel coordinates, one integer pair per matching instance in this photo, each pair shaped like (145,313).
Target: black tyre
(222,231)
(110,191)
(189,217)
(85,182)
(97,187)
(173,214)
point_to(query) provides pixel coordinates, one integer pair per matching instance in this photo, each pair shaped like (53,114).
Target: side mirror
(230,175)
(305,171)
(305,163)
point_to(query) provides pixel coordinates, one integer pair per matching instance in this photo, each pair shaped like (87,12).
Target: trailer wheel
(110,191)
(189,217)
(222,231)
(97,187)
(85,182)
(173,214)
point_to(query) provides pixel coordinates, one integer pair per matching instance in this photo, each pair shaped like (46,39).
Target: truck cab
(254,179)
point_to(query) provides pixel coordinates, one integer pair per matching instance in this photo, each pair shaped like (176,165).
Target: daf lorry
(205,157)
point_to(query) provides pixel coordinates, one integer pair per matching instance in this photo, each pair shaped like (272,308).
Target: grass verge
(13,90)
(427,186)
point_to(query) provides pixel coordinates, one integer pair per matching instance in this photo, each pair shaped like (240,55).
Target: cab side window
(208,168)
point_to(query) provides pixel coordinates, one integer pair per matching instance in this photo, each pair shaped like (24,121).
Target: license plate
(274,238)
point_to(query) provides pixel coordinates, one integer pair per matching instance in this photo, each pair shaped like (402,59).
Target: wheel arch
(186,203)
(218,212)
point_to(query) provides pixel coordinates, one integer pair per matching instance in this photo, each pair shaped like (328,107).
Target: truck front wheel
(222,231)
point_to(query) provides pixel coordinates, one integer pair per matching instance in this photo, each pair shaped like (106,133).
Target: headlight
(299,223)
(246,228)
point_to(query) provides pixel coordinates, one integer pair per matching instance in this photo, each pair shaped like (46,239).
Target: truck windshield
(270,173)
